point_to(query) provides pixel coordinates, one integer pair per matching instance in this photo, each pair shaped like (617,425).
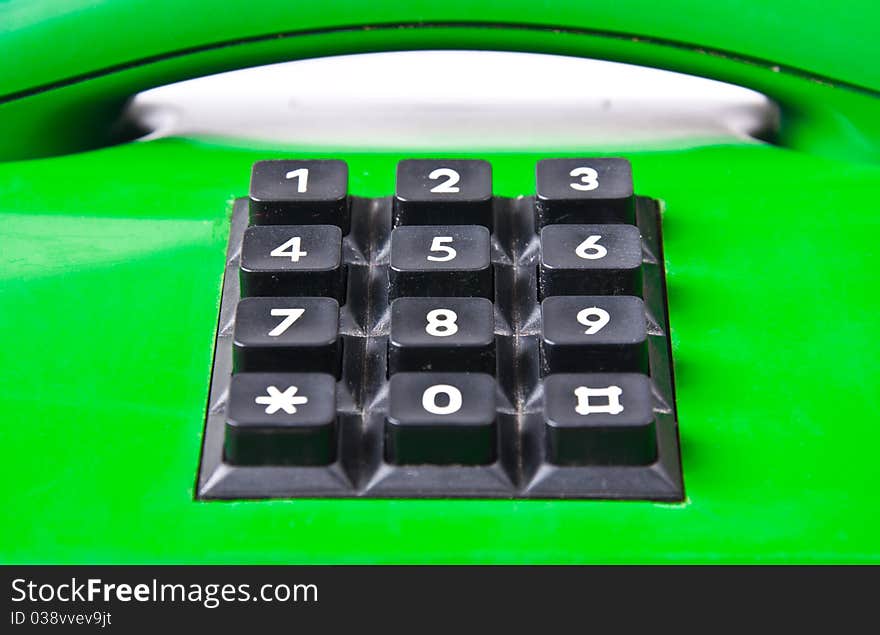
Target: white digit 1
(594,319)
(448,186)
(429,399)
(590,249)
(302,178)
(441,323)
(295,252)
(589,179)
(290,316)
(437,245)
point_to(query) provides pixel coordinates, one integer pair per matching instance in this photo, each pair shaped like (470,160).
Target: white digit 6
(295,252)
(429,399)
(290,316)
(441,323)
(302,178)
(437,245)
(590,249)
(589,179)
(448,186)
(594,319)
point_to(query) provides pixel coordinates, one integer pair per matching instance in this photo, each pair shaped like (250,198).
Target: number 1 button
(585,191)
(452,192)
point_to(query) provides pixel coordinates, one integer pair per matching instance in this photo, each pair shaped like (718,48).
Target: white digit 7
(302,178)
(437,245)
(290,316)
(590,249)
(448,186)
(295,252)
(589,179)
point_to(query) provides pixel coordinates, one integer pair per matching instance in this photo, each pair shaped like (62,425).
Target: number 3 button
(585,191)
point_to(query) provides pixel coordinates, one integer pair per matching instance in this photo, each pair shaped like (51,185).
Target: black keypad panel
(443,342)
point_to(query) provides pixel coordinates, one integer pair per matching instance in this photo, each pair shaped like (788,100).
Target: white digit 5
(295,252)
(290,316)
(594,319)
(441,323)
(437,245)
(448,186)
(302,178)
(589,179)
(429,399)
(590,249)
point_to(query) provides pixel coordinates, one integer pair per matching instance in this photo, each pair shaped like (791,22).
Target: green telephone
(114,274)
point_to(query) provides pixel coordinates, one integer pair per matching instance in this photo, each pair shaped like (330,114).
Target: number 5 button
(593,334)
(452,192)
(292,260)
(585,191)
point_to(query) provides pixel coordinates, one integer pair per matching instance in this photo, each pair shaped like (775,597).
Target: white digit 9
(437,245)
(594,319)
(429,399)
(589,179)
(448,186)
(441,323)
(590,249)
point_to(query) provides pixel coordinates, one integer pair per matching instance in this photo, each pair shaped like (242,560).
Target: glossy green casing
(112,259)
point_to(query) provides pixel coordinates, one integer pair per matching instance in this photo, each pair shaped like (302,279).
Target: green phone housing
(113,256)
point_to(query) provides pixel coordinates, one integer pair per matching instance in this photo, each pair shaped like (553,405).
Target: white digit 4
(441,323)
(448,186)
(590,249)
(429,399)
(437,245)
(589,179)
(295,252)
(290,316)
(594,319)
(302,178)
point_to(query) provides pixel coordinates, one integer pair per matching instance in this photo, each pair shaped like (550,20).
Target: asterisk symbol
(276,400)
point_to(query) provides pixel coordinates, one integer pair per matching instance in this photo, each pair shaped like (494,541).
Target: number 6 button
(452,192)
(585,191)
(292,260)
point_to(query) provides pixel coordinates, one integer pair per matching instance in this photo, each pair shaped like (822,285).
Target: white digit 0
(594,319)
(441,323)
(590,249)
(290,316)
(589,179)
(302,178)
(448,186)
(295,252)
(429,399)
(437,245)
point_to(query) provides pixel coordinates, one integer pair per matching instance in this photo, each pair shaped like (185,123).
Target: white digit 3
(429,399)
(295,252)
(441,323)
(589,179)
(290,316)
(590,249)
(448,186)
(594,319)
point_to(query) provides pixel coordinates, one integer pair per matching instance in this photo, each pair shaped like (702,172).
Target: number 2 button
(292,260)
(453,192)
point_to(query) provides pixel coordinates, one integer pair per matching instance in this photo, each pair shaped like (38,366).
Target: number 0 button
(452,192)
(585,191)
(292,260)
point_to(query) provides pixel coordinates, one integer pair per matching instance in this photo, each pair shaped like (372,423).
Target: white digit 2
(594,319)
(429,399)
(302,178)
(448,186)
(290,316)
(590,249)
(437,245)
(589,179)
(441,323)
(295,252)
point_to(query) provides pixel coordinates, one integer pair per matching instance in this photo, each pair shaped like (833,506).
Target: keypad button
(442,334)
(441,418)
(440,261)
(590,260)
(593,333)
(599,419)
(281,419)
(585,191)
(300,193)
(292,260)
(451,192)
(286,335)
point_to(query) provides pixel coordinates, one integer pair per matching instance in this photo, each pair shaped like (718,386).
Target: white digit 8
(429,399)
(449,185)
(441,323)
(590,249)
(594,319)
(589,179)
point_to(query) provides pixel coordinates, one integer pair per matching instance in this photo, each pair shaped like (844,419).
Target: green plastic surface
(112,263)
